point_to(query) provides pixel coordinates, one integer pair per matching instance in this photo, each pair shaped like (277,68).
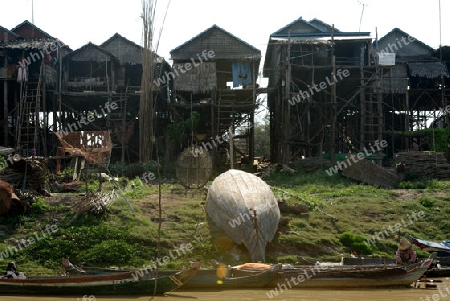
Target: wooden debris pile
(95,203)
(370,173)
(21,182)
(27,173)
(426,164)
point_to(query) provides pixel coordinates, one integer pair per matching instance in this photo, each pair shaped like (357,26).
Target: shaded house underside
(220,62)
(349,113)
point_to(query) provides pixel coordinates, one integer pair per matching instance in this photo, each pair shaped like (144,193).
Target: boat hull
(338,277)
(208,279)
(123,283)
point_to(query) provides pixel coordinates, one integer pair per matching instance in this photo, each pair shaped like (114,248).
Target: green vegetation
(434,139)
(343,216)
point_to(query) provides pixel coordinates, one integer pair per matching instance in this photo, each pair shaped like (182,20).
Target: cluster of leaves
(426,202)
(98,245)
(355,243)
(178,131)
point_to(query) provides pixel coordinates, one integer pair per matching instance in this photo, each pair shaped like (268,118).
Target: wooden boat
(207,279)
(118,283)
(442,248)
(318,276)
(438,272)
(244,207)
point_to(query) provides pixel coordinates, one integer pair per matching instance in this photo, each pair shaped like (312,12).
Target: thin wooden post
(362,99)
(333,101)
(5,95)
(287,106)
(379,107)
(251,148)
(231,147)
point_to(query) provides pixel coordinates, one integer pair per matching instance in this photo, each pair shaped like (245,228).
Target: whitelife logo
(206,55)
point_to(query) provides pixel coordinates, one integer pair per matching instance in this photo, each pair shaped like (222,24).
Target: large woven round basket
(194,168)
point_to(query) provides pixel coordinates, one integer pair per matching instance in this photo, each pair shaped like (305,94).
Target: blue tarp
(242,74)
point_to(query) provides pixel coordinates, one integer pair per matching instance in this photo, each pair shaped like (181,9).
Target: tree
(262,137)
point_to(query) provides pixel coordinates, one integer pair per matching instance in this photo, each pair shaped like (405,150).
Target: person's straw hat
(404,244)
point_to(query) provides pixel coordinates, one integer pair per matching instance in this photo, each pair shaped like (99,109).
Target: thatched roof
(232,199)
(224,44)
(428,69)
(29,44)
(127,50)
(91,52)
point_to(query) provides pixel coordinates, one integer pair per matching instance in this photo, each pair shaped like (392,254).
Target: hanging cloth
(242,74)
(22,74)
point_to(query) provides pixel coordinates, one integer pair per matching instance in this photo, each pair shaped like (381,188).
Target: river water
(398,294)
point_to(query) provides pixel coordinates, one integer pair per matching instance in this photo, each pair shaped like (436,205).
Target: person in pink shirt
(405,253)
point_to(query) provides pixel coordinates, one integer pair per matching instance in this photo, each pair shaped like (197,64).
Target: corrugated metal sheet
(428,69)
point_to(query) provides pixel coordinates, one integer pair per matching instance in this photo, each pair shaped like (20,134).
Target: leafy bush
(426,202)
(106,251)
(355,243)
(412,175)
(414,185)
(38,207)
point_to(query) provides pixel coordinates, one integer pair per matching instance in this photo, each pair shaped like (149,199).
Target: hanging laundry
(22,74)
(47,58)
(242,74)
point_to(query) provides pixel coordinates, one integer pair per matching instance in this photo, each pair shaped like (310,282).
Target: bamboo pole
(146,106)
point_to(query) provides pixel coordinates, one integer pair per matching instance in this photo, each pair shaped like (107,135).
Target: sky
(78,22)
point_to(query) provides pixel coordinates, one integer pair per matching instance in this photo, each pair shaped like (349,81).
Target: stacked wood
(370,173)
(29,173)
(426,164)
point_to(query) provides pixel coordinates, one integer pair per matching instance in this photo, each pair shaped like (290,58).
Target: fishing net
(94,146)
(194,168)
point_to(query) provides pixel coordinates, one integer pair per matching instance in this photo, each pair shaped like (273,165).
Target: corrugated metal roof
(428,69)
(26,22)
(401,32)
(314,24)
(9,32)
